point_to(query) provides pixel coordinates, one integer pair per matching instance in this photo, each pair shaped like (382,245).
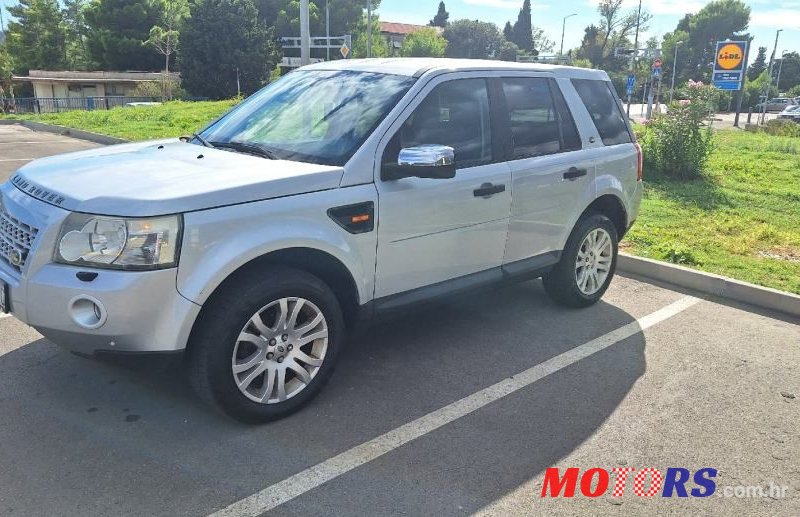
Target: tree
(164,36)
(671,40)
(75,32)
(758,65)
(508,51)
(508,32)
(789,66)
(472,39)
(380,47)
(345,16)
(522,31)
(35,37)
(425,42)
(440,20)
(118,30)
(224,42)
(541,43)
(716,21)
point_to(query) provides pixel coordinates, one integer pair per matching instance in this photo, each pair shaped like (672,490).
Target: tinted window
(604,109)
(456,114)
(540,121)
(314,116)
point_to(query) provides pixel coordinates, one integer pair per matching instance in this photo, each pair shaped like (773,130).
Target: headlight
(120,243)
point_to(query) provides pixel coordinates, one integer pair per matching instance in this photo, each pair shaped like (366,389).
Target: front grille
(16,239)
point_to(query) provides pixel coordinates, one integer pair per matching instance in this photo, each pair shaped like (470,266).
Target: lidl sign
(729,65)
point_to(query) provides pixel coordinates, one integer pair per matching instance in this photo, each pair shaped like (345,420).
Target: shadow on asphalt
(85,437)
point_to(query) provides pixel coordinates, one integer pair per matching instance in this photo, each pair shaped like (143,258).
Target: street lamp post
(769,77)
(674,66)
(563,27)
(780,67)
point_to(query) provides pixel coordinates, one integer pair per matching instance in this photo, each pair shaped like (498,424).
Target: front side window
(604,109)
(312,116)
(455,114)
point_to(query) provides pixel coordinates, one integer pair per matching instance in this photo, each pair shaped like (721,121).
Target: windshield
(312,116)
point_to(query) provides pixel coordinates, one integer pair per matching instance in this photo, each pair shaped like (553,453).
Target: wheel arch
(612,207)
(314,261)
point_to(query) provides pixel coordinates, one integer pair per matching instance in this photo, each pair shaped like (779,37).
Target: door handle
(488,190)
(574,173)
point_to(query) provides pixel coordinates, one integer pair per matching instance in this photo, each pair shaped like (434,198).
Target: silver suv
(343,190)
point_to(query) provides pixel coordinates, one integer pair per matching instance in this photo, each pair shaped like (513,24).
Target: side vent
(357,218)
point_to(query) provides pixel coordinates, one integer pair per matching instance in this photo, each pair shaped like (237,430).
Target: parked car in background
(776,104)
(342,190)
(791,113)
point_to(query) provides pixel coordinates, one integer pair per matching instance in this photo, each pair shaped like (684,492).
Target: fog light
(87,312)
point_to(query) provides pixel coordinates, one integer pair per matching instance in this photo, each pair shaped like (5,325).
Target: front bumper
(137,311)
(141,311)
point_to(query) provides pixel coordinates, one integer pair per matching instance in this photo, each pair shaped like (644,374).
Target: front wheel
(265,346)
(587,263)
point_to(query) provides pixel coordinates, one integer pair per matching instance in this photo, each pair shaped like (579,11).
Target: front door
(433,230)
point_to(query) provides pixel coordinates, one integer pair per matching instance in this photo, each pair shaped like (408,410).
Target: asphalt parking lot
(453,408)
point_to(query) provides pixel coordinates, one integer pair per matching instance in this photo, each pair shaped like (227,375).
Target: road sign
(729,62)
(657,63)
(630,85)
(344,50)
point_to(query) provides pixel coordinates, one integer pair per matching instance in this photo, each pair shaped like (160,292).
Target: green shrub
(782,127)
(677,143)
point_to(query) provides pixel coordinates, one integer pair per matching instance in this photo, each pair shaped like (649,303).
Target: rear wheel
(266,346)
(587,263)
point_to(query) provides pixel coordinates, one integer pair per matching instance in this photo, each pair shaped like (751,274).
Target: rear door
(552,175)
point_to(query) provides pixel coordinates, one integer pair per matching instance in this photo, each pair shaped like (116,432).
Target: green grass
(139,123)
(742,220)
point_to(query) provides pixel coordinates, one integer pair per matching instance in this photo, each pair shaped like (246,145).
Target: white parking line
(16,159)
(314,476)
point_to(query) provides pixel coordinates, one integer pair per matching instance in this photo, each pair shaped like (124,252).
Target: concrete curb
(66,131)
(710,283)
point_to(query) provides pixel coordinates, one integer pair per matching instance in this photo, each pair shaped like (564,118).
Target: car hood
(165,177)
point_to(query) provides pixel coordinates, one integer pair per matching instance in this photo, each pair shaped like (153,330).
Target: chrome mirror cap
(431,155)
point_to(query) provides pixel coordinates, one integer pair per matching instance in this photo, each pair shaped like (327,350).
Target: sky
(766,16)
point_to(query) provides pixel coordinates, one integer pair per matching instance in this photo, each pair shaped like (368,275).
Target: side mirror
(424,161)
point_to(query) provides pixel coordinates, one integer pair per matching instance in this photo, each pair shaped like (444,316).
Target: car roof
(415,67)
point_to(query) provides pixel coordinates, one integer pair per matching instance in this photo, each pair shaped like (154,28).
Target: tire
(562,282)
(220,360)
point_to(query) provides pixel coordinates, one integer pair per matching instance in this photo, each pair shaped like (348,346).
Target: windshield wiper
(197,137)
(246,147)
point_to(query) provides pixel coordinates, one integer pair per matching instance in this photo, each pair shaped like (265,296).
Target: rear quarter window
(604,110)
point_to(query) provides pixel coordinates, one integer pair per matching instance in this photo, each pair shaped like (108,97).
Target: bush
(155,89)
(675,143)
(778,127)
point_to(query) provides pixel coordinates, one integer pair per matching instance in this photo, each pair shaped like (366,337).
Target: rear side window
(604,109)
(540,122)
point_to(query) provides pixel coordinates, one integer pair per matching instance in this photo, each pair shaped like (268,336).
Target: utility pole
(563,27)
(327,32)
(635,53)
(674,67)
(769,78)
(369,28)
(305,38)
(740,96)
